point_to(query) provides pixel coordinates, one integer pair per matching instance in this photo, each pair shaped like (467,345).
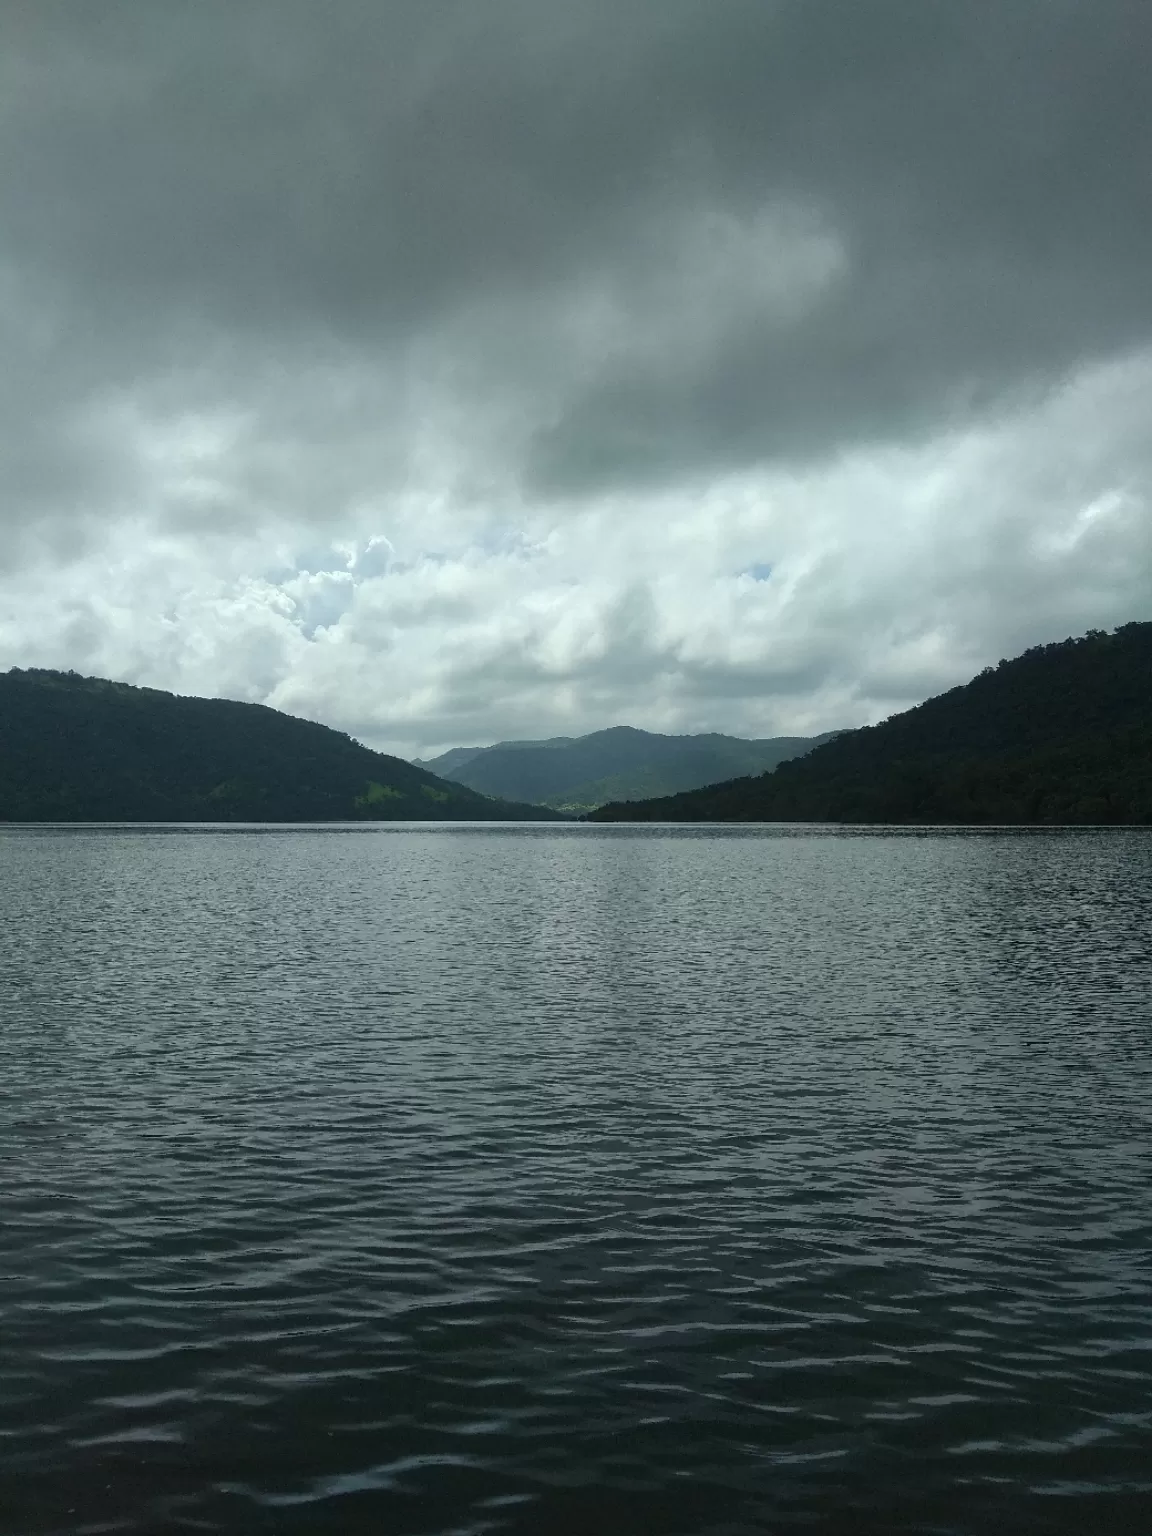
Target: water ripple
(533,1179)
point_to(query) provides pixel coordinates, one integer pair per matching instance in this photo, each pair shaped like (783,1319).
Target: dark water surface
(601,1180)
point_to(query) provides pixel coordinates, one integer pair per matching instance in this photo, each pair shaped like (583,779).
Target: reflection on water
(547,1179)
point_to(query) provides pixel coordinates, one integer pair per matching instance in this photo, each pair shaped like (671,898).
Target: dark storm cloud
(448,369)
(268,174)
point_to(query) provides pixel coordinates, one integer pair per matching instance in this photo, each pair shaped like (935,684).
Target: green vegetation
(577,773)
(1060,735)
(82,749)
(377,794)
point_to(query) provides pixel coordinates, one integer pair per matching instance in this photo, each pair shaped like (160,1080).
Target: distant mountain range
(577,773)
(1059,735)
(82,749)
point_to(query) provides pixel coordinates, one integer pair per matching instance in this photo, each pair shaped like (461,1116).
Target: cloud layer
(450,372)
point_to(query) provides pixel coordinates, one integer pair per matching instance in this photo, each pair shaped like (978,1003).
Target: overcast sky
(450,370)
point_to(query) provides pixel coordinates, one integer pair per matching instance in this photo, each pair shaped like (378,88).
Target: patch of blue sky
(507,539)
(760,570)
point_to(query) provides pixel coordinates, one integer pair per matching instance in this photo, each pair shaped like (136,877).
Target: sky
(456,370)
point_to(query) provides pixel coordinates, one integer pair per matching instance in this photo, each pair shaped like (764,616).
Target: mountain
(82,749)
(576,773)
(1059,735)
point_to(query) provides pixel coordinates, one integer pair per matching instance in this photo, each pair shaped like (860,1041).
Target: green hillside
(82,749)
(578,773)
(1060,735)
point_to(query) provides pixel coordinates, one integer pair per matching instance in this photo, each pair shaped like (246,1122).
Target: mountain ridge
(76,748)
(1060,734)
(575,773)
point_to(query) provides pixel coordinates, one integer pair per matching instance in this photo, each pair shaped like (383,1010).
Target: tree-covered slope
(622,763)
(82,749)
(1062,734)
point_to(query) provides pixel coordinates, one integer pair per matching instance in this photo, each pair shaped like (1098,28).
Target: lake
(618,1181)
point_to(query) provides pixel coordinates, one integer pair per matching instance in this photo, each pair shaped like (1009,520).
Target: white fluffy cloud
(762,602)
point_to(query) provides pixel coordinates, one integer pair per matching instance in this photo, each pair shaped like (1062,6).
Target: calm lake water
(613,1181)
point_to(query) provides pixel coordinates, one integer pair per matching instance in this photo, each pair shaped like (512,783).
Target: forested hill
(82,749)
(1061,734)
(577,773)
